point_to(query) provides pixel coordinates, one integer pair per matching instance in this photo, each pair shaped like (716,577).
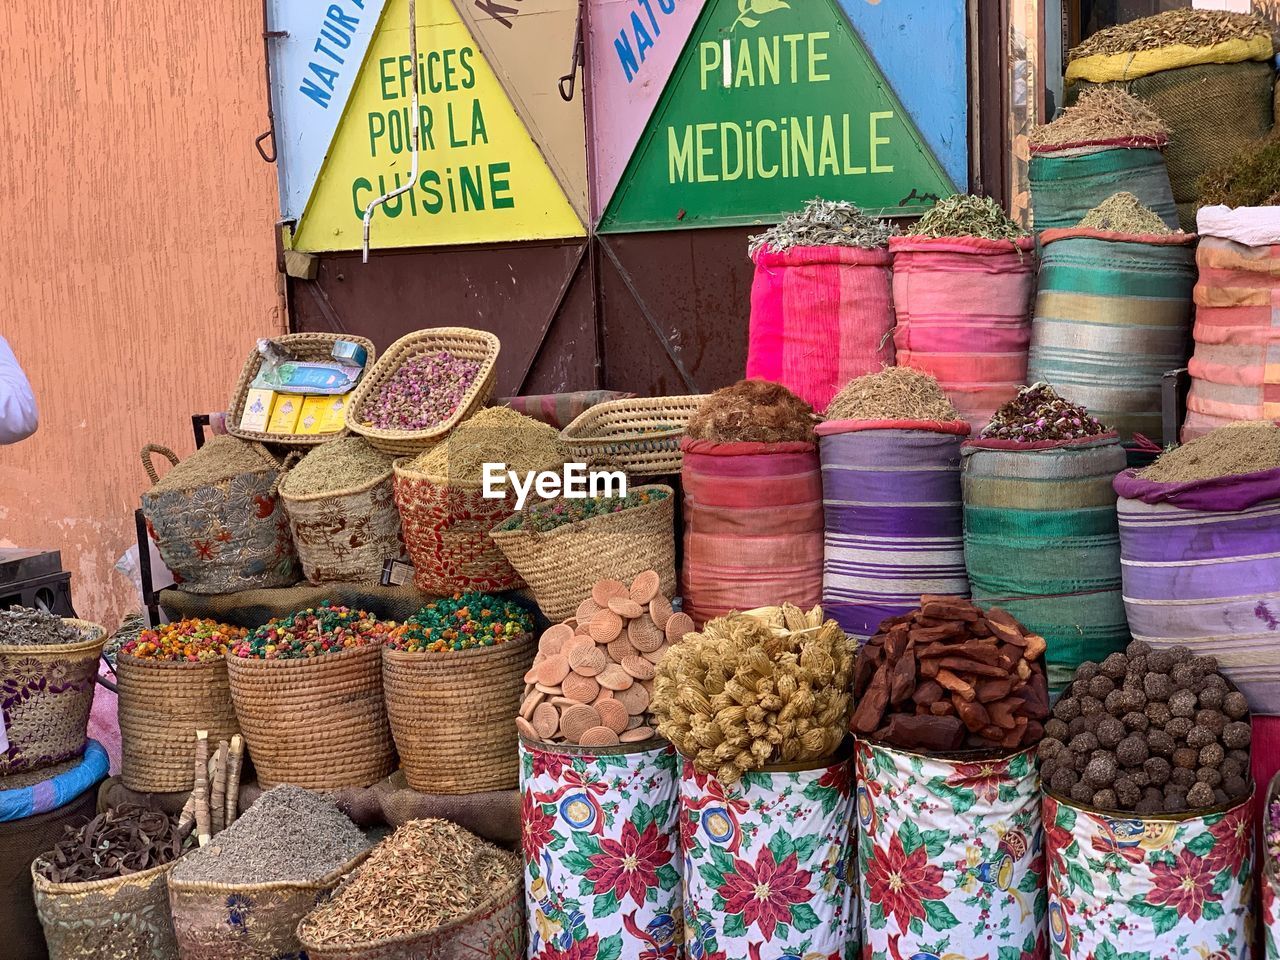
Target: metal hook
(571,78)
(267,36)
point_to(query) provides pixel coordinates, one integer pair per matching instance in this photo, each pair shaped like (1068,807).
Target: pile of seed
(312,633)
(121,841)
(194,640)
(494,435)
(461,622)
(544,517)
(1102,113)
(1249,179)
(824,223)
(1037,413)
(423,391)
(221,458)
(340,464)
(895,393)
(964,215)
(1152,731)
(1247,447)
(426,874)
(1124,213)
(289,834)
(24,627)
(1195,28)
(741,695)
(756,411)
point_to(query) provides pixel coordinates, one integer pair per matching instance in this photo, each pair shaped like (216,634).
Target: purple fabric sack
(1237,492)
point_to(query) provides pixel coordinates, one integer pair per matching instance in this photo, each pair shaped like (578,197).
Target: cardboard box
(285,414)
(257,410)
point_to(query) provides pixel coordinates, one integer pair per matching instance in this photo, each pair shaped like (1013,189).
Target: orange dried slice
(613,677)
(636,735)
(530,704)
(606,590)
(678,626)
(578,720)
(645,586)
(580,689)
(638,667)
(526,729)
(625,607)
(552,670)
(605,626)
(576,644)
(644,634)
(554,638)
(613,715)
(654,656)
(587,609)
(546,720)
(660,610)
(635,698)
(598,737)
(589,663)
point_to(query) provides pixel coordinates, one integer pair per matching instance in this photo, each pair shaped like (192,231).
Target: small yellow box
(318,414)
(285,414)
(257,409)
(335,413)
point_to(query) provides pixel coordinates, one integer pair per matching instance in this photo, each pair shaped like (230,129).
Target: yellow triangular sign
(481,178)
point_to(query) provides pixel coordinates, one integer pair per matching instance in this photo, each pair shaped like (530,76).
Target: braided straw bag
(451,714)
(162,704)
(640,436)
(560,565)
(46,694)
(118,918)
(315,722)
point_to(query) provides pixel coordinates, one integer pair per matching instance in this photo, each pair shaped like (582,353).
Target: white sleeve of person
(18,417)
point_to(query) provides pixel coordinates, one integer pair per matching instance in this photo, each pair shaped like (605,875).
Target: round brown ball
(1136,721)
(1212,755)
(1105,800)
(1157,686)
(1160,743)
(1137,648)
(1132,751)
(1090,706)
(1067,709)
(1109,732)
(1182,776)
(1179,727)
(1235,787)
(1127,793)
(1101,772)
(1087,671)
(1158,769)
(1082,793)
(1056,729)
(1198,737)
(1235,705)
(1100,686)
(1158,713)
(1200,796)
(1084,743)
(1211,697)
(1213,720)
(1237,735)
(1182,703)
(1116,666)
(1063,780)
(1210,775)
(1160,661)
(1187,758)
(1175,799)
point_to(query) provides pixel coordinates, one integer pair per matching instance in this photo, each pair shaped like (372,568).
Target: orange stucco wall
(137,262)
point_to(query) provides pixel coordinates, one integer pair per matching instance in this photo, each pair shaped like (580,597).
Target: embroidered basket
(124,917)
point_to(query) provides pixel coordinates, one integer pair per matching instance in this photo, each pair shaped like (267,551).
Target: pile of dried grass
(1102,113)
(895,393)
(1249,179)
(756,411)
(1195,28)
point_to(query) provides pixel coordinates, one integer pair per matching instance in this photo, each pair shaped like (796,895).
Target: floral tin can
(768,864)
(1268,877)
(1133,888)
(599,837)
(950,856)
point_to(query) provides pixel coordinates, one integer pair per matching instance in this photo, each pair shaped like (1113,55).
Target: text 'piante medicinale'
(787,146)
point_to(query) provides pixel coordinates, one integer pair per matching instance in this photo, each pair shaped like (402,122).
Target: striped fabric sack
(963,309)
(752,526)
(1069,180)
(1235,366)
(560,409)
(894,527)
(820,316)
(1201,566)
(1041,541)
(1112,316)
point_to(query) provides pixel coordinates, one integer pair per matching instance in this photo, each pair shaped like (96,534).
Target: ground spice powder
(1228,451)
(895,393)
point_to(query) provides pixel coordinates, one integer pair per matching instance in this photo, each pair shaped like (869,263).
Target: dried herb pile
(1102,113)
(1037,413)
(289,834)
(964,215)
(461,622)
(192,640)
(752,411)
(825,223)
(1124,213)
(426,874)
(544,517)
(337,465)
(313,632)
(1234,449)
(895,393)
(1249,179)
(24,627)
(119,842)
(494,435)
(221,458)
(423,391)
(741,694)
(1195,28)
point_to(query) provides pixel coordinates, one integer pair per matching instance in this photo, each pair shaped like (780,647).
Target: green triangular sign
(772,104)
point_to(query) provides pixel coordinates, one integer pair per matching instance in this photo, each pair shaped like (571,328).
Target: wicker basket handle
(287,464)
(147,465)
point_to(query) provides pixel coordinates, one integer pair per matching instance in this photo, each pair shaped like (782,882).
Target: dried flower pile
(494,435)
(191,640)
(894,393)
(426,874)
(1149,731)
(121,841)
(424,391)
(23,626)
(337,465)
(461,622)
(1196,28)
(1037,413)
(949,676)
(1247,447)
(1102,113)
(825,223)
(544,517)
(752,411)
(591,682)
(741,694)
(964,215)
(313,632)
(1124,213)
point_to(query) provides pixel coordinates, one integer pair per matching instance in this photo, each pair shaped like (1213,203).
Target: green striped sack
(1113,314)
(1041,540)
(1068,182)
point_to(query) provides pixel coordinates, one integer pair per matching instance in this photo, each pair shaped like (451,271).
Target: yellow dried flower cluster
(743,694)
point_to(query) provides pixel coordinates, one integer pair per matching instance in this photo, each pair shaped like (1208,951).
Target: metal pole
(413,175)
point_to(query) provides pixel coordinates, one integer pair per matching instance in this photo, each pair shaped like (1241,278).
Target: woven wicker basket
(640,436)
(317,722)
(345,536)
(124,917)
(494,930)
(560,565)
(162,704)
(462,342)
(246,921)
(451,715)
(304,346)
(46,694)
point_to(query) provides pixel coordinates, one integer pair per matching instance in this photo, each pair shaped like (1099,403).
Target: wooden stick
(201,791)
(218,799)
(235,759)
